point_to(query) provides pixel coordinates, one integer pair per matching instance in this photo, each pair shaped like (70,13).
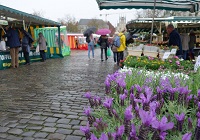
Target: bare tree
(97,23)
(70,22)
(38,13)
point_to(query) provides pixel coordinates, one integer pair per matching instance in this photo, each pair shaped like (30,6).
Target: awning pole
(24,25)
(153,21)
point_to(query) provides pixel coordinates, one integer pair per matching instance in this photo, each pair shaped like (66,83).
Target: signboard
(3,22)
(173,51)
(197,64)
(5,58)
(166,55)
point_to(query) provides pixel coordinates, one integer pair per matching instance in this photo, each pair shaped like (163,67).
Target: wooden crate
(134,52)
(152,54)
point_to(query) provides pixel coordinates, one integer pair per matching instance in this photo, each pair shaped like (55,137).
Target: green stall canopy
(175,5)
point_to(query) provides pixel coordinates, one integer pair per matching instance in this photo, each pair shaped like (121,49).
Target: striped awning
(175,5)
(16,15)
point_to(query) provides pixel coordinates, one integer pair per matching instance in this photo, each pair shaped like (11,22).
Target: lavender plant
(143,106)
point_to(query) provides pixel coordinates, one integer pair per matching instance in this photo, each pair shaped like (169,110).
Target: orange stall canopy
(77,41)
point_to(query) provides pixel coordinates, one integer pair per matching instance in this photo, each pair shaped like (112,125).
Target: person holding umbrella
(103,43)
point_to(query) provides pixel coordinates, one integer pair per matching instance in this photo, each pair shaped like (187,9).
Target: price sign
(197,64)
(166,55)
(173,51)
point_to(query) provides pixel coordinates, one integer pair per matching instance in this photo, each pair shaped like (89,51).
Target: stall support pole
(24,25)
(59,44)
(153,21)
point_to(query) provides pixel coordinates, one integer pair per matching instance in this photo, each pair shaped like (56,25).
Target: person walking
(191,44)
(91,46)
(42,46)
(185,43)
(103,43)
(122,47)
(114,49)
(26,48)
(13,41)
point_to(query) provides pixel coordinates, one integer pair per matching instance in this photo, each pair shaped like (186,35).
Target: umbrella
(89,31)
(103,32)
(31,40)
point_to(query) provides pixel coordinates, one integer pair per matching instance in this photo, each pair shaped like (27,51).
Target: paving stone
(70,137)
(23,120)
(40,135)
(78,132)
(56,136)
(12,125)
(15,131)
(21,126)
(51,119)
(36,122)
(38,118)
(34,127)
(3,135)
(63,121)
(12,137)
(28,138)
(59,115)
(28,134)
(50,124)
(64,131)
(49,129)
(64,126)
(4,129)
(74,122)
(72,116)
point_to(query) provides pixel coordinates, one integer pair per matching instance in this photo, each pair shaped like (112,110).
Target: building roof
(19,16)
(86,21)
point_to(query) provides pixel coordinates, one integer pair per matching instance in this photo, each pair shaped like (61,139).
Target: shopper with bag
(42,46)
(114,48)
(122,46)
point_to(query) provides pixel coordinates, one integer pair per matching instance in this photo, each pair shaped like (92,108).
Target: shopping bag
(2,45)
(108,52)
(37,48)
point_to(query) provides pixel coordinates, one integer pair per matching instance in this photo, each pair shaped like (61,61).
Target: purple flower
(88,95)
(107,83)
(133,131)
(178,63)
(189,97)
(87,111)
(198,123)
(187,136)
(93,137)
(163,135)
(180,117)
(162,125)
(108,102)
(103,137)
(122,96)
(132,96)
(119,132)
(138,88)
(146,117)
(198,92)
(198,114)
(86,131)
(128,113)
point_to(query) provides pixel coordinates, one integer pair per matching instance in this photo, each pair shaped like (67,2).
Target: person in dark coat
(26,48)
(13,42)
(175,40)
(103,42)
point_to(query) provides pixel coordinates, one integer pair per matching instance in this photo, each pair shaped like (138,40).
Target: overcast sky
(54,9)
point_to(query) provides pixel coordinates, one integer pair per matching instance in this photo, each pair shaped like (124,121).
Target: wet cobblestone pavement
(44,101)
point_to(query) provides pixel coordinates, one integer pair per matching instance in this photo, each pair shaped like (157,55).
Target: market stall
(76,41)
(28,22)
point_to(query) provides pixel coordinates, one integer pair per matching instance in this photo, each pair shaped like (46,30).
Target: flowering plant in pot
(140,105)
